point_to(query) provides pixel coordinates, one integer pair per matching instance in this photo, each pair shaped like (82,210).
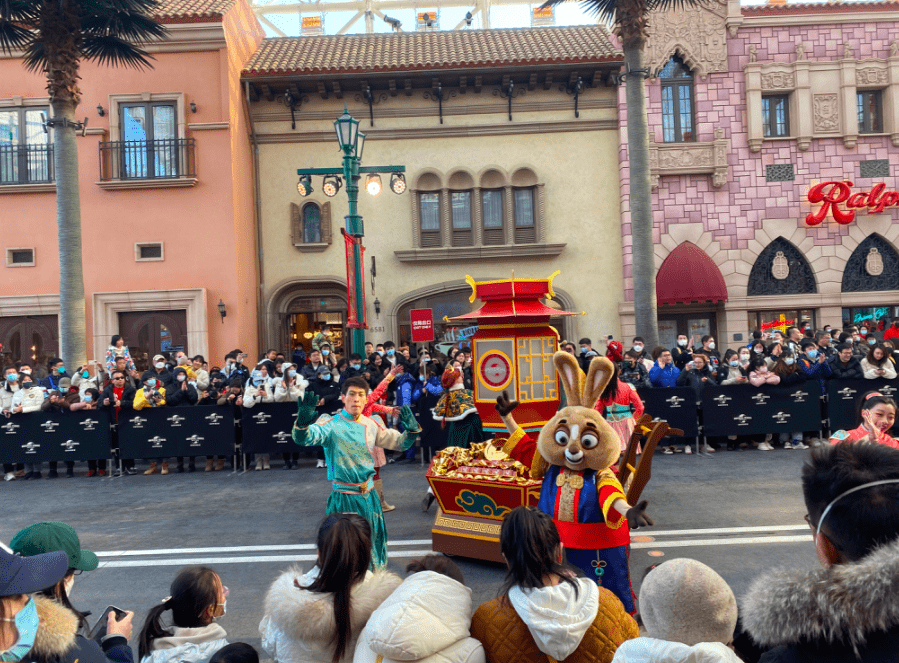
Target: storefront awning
(689,275)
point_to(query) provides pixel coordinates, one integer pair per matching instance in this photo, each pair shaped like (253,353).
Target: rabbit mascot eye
(573,454)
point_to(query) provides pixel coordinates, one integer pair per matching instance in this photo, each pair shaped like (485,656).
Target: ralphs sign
(838,199)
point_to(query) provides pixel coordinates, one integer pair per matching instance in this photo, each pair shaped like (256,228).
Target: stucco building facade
(509,141)
(167,204)
(749,109)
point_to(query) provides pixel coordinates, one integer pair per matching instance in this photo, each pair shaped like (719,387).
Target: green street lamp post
(352,142)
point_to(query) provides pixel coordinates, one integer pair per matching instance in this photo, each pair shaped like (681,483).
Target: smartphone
(99,631)
(611,337)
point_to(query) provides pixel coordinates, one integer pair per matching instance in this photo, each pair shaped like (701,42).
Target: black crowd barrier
(748,410)
(267,428)
(844,399)
(38,437)
(676,405)
(177,431)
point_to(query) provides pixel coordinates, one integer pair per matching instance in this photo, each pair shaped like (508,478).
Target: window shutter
(326,222)
(430,239)
(526,235)
(493,236)
(462,237)
(296,225)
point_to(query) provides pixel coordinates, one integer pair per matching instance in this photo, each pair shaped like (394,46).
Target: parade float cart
(512,351)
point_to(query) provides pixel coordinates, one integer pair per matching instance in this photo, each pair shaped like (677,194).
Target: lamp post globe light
(352,143)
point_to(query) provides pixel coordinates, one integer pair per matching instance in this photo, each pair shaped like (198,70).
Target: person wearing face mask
(680,353)
(773,354)
(638,345)
(585,353)
(89,400)
(845,365)
(734,368)
(390,355)
(760,375)
(159,371)
(824,346)
(20,577)
(182,394)
(328,358)
(288,389)
(353,369)
(197,598)
(664,373)
(813,363)
(7,390)
(712,355)
(152,394)
(61,628)
(29,398)
(322,336)
(790,374)
(328,393)
(259,390)
(56,371)
(84,381)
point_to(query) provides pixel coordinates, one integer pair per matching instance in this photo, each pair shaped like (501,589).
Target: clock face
(495,370)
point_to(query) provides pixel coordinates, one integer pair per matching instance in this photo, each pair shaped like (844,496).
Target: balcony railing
(26,164)
(147,159)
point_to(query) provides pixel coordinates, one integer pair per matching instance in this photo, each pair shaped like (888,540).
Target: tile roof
(433,50)
(174,11)
(806,8)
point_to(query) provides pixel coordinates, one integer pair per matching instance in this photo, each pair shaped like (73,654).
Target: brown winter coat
(506,637)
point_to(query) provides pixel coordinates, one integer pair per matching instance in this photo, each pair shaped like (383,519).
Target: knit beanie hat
(685,601)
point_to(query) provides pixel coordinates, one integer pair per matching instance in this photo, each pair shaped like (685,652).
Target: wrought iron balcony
(147,159)
(26,164)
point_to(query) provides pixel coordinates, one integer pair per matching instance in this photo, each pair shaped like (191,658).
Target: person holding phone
(61,627)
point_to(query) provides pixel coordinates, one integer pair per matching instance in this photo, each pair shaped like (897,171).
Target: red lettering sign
(831,195)
(422,320)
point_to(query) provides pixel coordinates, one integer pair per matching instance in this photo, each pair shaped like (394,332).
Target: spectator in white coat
(288,389)
(434,595)
(259,390)
(84,380)
(317,617)
(689,615)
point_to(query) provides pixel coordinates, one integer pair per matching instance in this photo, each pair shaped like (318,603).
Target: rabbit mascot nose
(573,454)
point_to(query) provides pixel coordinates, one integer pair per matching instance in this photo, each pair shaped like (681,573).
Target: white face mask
(711,345)
(182,377)
(744,358)
(682,342)
(159,365)
(638,348)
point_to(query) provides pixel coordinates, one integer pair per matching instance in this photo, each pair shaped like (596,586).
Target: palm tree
(630,19)
(55,36)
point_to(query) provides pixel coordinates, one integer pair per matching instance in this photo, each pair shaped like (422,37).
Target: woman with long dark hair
(545,609)
(621,406)
(197,599)
(316,617)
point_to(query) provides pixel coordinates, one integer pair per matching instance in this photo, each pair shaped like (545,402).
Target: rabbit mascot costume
(573,454)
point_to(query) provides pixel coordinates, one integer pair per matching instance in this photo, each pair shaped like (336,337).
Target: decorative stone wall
(735,214)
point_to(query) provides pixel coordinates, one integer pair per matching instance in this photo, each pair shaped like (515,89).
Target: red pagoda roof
(512,299)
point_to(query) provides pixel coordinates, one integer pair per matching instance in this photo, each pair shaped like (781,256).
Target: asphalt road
(740,513)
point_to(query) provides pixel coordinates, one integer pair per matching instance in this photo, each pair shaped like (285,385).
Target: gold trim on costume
(469,526)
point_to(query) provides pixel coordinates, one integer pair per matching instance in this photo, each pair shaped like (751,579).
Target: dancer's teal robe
(347,444)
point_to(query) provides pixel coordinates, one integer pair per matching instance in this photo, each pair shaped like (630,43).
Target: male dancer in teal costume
(347,439)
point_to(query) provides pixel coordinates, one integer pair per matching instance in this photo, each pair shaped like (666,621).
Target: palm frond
(607,9)
(13,36)
(23,12)
(35,59)
(137,28)
(114,51)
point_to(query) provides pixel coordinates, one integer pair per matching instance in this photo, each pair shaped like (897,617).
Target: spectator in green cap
(61,630)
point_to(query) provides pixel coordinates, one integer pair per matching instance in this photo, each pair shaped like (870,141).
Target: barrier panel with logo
(844,399)
(268,428)
(676,405)
(177,431)
(38,437)
(748,410)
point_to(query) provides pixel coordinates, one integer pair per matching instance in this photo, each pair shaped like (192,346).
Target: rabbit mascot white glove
(573,454)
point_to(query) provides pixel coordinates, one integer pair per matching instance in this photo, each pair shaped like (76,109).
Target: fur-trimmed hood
(57,627)
(843,603)
(299,625)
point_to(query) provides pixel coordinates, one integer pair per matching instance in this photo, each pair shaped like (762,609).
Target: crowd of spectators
(773,357)
(343,610)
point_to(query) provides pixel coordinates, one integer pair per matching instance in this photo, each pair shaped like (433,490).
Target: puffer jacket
(846,612)
(425,620)
(57,639)
(7,391)
(187,645)
(31,399)
(298,625)
(286,394)
(530,625)
(651,650)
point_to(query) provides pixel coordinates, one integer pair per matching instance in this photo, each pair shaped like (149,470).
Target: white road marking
(722,542)
(238,549)
(400,549)
(185,561)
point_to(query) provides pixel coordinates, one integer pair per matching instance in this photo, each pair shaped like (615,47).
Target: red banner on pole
(355,315)
(422,325)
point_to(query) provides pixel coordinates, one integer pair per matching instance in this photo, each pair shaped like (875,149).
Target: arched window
(781,269)
(677,102)
(312,224)
(874,265)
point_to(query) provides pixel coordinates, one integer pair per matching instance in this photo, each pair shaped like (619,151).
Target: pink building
(749,109)
(166,189)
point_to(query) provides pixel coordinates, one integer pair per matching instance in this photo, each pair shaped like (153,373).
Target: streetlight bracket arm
(382,169)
